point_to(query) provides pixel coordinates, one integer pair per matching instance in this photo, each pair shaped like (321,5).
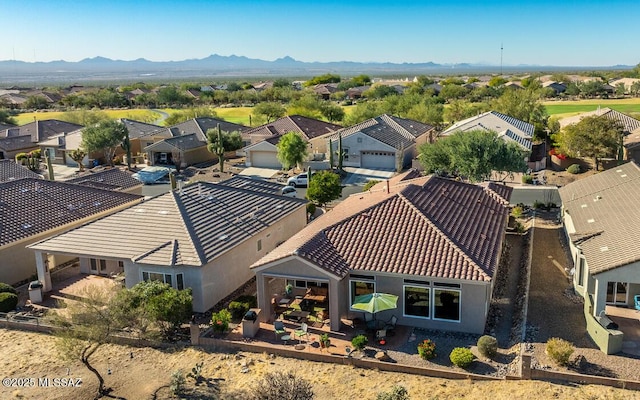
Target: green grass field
(569,108)
(136,114)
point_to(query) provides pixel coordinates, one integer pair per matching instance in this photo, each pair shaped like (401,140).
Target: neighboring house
(186,140)
(508,128)
(627,82)
(204,236)
(384,142)
(25,138)
(325,90)
(10,171)
(433,242)
(557,87)
(109,179)
(600,215)
(139,133)
(630,129)
(262,152)
(355,93)
(33,209)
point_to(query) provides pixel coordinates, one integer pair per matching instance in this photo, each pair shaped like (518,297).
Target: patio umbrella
(375,302)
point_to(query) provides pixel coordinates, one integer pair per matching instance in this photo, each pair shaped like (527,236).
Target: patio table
(297,315)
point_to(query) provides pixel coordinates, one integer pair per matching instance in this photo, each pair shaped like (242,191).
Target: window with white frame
(581,264)
(446,304)
(94,262)
(359,287)
(417,301)
(177,283)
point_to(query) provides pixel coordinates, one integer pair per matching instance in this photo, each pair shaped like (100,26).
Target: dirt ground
(138,373)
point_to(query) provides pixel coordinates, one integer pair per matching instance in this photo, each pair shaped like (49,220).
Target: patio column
(42,267)
(263,303)
(600,297)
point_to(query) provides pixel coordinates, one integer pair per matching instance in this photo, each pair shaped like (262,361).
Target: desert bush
(488,346)
(559,350)
(282,386)
(538,205)
(461,357)
(427,349)
(527,179)
(397,392)
(220,321)
(8,302)
(573,169)
(371,183)
(517,211)
(5,288)
(359,342)
(21,156)
(252,301)
(311,208)
(238,309)
(177,382)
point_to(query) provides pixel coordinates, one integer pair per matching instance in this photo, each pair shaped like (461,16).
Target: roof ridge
(153,250)
(187,227)
(445,236)
(389,119)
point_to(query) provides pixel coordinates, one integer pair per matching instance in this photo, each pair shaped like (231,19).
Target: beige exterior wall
(198,155)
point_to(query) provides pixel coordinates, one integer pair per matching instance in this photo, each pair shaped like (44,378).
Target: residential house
(508,128)
(186,140)
(630,129)
(356,92)
(203,236)
(109,179)
(25,138)
(600,215)
(262,152)
(383,142)
(627,82)
(33,209)
(10,171)
(325,90)
(557,87)
(433,242)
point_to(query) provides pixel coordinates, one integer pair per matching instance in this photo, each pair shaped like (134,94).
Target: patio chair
(390,326)
(303,331)
(381,334)
(636,301)
(278,327)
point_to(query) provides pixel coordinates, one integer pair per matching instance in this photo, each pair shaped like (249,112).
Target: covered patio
(628,320)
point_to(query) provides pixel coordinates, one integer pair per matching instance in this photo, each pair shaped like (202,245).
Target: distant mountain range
(221,67)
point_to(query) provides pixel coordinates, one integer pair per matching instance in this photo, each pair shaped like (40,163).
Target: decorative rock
(382,356)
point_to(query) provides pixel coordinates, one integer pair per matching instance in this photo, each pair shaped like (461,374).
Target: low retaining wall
(555,376)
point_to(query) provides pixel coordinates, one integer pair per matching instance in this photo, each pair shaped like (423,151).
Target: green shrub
(461,357)
(5,288)
(238,309)
(359,342)
(397,392)
(517,211)
(538,205)
(488,346)
(311,208)
(8,302)
(371,183)
(21,156)
(252,301)
(574,169)
(526,178)
(559,350)
(220,321)
(427,349)
(36,153)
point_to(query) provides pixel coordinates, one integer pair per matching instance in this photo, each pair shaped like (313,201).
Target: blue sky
(538,32)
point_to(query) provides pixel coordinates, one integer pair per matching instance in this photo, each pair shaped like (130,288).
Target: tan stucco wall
(198,155)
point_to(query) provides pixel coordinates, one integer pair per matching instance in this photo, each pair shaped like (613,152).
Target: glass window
(581,272)
(301,284)
(103,265)
(179,281)
(94,264)
(154,276)
(259,244)
(446,304)
(145,276)
(358,288)
(417,301)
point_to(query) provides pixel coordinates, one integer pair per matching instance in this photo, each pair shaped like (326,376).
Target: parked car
(298,180)
(289,191)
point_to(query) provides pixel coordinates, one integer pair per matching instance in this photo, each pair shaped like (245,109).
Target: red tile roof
(438,228)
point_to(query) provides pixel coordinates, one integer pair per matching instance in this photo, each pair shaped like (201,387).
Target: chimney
(388,188)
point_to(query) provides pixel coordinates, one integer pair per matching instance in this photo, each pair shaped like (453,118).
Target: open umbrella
(375,302)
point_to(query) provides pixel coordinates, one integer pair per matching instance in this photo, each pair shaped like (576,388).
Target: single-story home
(109,179)
(33,209)
(10,171)
(433,242)
(186,140)
(384,142)
(600,215)
(203,236)
(25,138)
(262,152)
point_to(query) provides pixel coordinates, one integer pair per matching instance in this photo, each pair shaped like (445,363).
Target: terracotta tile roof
(10,171)
(256,185)
(441,228)
(187,227)
(31,207)
(394,131)
(109,179)
(605,213)
(309,128)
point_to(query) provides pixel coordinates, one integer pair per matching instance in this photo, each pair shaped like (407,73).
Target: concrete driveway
(263,173)
(360,176)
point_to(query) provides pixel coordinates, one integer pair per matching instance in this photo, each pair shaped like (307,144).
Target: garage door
(265,159)
(378,159)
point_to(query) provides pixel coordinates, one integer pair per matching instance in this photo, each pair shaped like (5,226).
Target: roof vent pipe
(388,188)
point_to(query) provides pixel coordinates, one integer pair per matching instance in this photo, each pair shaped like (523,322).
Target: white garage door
(378,159)
(264,159)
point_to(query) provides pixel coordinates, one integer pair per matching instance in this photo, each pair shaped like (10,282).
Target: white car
(289,191)
(298,180)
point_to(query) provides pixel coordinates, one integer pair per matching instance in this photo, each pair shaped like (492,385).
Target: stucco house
(434,242)
(25,138)
(33,209)
(109,179)
(186,140)
(384,142)
(10,171)
(204,236)
(600,215)
(262,152)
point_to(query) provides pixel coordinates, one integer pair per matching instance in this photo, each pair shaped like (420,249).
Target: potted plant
(288,290)
(325,342)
